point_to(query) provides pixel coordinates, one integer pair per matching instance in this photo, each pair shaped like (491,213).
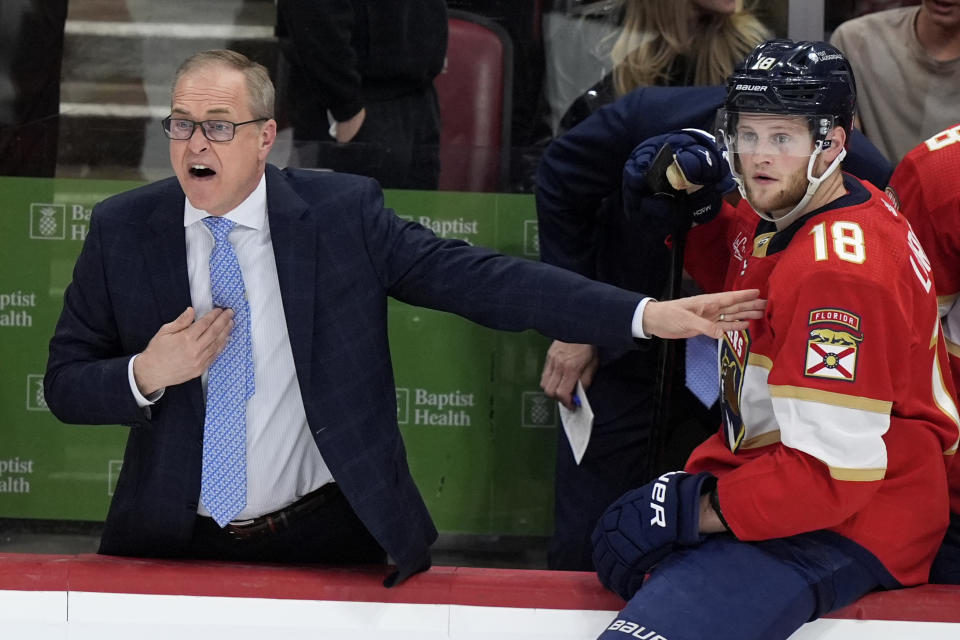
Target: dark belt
(283,518)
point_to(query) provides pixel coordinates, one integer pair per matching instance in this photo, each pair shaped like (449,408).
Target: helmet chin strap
(813,183)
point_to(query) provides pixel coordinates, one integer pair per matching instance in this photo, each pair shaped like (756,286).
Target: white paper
(578,424)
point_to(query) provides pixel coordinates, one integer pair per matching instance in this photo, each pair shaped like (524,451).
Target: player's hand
(644,526)
(182,350)
(703,167)
(565,364)
(711,314)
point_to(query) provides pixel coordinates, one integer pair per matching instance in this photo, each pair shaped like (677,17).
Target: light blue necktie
(702,376)
(229,385)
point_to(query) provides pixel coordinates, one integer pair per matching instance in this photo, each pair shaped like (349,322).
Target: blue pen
(576,400)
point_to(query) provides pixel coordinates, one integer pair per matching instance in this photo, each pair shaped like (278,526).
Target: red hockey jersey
(926,186)
(838,411)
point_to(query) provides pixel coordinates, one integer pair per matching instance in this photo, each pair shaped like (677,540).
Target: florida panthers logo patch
(833,344)
(734,349)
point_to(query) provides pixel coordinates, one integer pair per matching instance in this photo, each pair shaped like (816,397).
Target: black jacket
(350,52)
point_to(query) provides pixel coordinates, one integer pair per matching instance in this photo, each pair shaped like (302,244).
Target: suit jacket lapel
(294,239)
(162,239)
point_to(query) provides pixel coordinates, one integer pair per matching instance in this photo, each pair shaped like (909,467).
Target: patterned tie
(703,379)
(229,386)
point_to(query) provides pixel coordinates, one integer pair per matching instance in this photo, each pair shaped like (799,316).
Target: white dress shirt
(283,462)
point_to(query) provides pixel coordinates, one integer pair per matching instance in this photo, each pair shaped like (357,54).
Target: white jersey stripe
(841,437)
(755,407)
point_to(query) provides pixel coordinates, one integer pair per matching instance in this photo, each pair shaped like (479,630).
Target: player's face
(943,13)
(723,7)
(218,176)
(772,153)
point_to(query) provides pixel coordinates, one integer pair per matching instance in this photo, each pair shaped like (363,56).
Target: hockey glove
(644,526)
(697,156)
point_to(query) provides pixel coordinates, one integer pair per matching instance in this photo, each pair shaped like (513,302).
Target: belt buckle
(254,529)
(243,531)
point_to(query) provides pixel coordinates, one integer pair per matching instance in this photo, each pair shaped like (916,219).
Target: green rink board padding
(480,435)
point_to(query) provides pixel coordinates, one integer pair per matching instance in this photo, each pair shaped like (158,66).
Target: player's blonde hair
(655,32)
(260,91)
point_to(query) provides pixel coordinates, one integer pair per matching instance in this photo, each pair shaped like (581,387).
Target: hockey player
(582,227)
(828,476)
(925,186)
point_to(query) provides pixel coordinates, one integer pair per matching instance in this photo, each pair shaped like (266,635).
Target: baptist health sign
(47,469)
(19,301)
(435,409)
(424,407)
(49,221)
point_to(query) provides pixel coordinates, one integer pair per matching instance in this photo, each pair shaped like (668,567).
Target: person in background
(235,318)
(31,52)
(828,476)
(670,44)
(360,93)
(908,61)
(688,42)
(926,188)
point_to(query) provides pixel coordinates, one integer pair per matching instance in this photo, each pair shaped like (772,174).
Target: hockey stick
(665,177)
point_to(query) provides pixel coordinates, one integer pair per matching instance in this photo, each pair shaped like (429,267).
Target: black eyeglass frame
(165,125)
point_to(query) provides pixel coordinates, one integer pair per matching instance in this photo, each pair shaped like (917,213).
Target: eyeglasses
(213,130)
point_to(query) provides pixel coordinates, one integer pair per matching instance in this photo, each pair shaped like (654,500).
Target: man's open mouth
(201,171)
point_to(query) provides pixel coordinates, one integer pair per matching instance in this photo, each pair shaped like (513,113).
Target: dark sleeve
(320,33)
(587,104)
(866,162)
(491,289)
(86,379)
(578,170)
(585,165)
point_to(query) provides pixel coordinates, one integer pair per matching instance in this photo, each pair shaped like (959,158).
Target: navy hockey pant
(731,590)
(946,566)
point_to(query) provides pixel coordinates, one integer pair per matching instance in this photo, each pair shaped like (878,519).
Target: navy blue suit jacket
(339,255)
